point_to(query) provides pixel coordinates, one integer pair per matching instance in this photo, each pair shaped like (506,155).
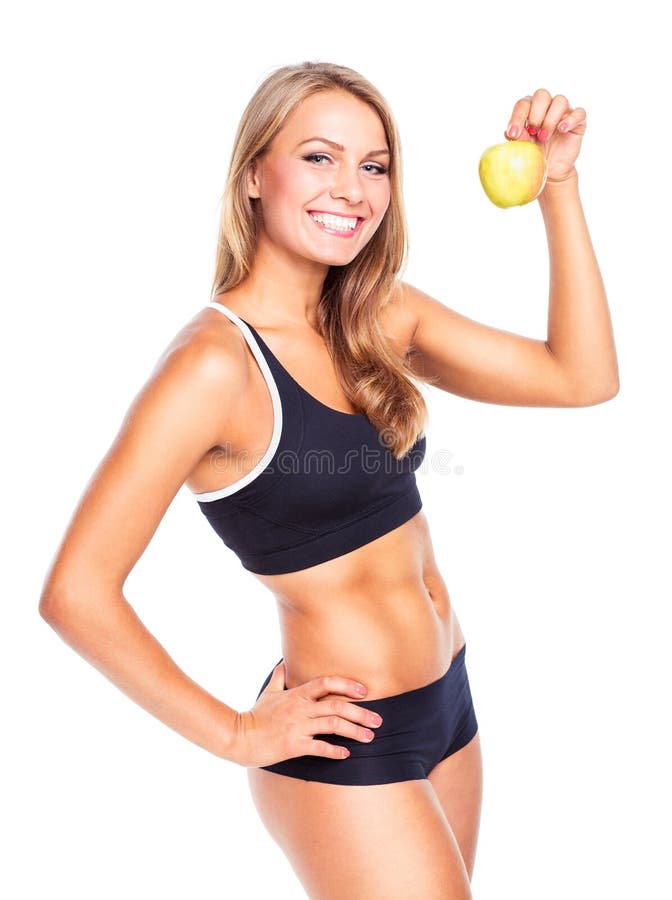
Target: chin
(331,259)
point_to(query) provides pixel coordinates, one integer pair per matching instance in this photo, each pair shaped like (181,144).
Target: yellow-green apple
(513,173)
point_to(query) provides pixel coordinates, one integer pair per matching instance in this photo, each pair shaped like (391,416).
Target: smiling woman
(327,166)
(290,406)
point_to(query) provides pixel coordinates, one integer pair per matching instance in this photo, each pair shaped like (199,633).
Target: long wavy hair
(373,377)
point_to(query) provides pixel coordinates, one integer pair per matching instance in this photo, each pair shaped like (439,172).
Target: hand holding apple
(551,125)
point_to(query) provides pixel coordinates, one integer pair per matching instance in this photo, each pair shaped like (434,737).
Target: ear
(253,186)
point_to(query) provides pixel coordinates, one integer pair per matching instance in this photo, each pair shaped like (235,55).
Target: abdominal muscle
(380,614)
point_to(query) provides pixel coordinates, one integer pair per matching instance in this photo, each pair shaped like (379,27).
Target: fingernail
(531,130)
(361,689)
(543,134)
(513,131)
(562,126)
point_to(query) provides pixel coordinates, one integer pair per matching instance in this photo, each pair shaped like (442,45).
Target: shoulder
(208,352)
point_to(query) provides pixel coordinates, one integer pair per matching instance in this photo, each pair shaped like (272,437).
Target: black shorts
(420,728)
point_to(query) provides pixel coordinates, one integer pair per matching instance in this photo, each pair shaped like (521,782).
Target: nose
(347,185)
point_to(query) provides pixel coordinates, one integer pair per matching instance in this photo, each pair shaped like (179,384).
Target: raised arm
(576,365)
(170,425)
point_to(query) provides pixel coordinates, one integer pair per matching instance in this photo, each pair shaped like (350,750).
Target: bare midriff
(380,614)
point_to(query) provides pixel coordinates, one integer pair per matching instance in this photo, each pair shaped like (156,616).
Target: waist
(390,641)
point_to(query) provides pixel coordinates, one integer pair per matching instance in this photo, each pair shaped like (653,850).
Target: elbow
(52,607)
(67,617)
(586,385)
(593,398)
(57,608)
(76,608)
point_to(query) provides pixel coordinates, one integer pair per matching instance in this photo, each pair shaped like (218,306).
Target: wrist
(559,190)
(571,175)
(228,732)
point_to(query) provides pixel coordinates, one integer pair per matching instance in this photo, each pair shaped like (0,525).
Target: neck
(283,289)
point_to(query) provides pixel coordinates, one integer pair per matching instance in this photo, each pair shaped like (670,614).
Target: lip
(341,234)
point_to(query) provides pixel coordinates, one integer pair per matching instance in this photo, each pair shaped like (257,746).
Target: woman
(287,405)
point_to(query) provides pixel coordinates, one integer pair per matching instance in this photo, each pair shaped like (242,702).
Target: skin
(409,839)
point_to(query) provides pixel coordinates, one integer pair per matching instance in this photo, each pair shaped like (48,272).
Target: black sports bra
(325,485)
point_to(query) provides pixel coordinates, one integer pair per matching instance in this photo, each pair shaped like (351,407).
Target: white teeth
(341,223)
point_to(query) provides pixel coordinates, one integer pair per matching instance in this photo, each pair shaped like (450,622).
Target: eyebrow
(341,147)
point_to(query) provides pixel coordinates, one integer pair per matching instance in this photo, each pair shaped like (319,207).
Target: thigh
(364,842)
(458,783)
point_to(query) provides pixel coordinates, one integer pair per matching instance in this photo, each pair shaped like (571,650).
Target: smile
(343,226)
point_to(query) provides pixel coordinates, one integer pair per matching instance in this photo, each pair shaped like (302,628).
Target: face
(312,193)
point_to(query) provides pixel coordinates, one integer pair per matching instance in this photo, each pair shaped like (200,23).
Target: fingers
(337,725)
(308,715)
(540,105)
(335,715)
(575,121)
(332,684)
(324,748)
(548,119)
(277,679)
(559,116)
(541,115)
(519,117)
(347,711)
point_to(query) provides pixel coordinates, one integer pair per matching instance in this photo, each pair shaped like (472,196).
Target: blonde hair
(371,374)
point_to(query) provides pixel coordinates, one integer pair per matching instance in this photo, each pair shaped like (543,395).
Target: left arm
(580,335)
(576,365)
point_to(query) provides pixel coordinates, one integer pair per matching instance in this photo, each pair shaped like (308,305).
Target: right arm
(171,424)
(178,415)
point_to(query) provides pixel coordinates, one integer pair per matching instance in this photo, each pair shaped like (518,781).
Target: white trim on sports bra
(277,412)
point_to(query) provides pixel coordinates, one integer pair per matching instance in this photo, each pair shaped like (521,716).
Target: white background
(553,541)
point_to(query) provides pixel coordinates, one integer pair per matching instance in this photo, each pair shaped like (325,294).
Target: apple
(513,173)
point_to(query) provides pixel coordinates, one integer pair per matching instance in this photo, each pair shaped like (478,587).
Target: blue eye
(377,169)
